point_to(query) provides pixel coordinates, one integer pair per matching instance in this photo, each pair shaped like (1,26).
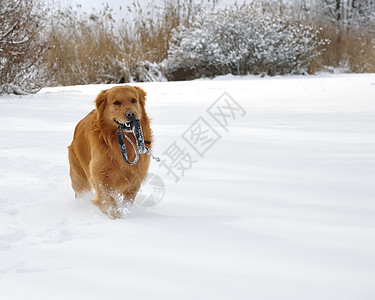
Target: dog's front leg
(131,192)
(106,203)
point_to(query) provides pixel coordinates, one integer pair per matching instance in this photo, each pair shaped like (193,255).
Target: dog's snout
(130,115)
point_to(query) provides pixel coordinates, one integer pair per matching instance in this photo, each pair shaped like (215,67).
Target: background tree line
(42,46)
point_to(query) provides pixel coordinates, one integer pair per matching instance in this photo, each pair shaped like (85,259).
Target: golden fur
(95,157)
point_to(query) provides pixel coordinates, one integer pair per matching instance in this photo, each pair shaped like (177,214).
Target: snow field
(280,207)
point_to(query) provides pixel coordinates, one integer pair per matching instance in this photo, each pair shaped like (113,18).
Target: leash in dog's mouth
(126,126)
(134,127)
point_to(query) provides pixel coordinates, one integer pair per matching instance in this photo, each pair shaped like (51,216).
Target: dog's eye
(117,103)
(134,101)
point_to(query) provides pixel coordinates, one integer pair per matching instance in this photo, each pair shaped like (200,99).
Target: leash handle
(140,148)
(122,145)
(137,131)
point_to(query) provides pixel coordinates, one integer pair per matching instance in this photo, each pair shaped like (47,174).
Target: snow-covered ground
(280,205)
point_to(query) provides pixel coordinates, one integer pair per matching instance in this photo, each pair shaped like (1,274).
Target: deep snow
(282,206)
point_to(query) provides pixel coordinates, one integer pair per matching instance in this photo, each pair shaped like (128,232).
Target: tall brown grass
(84,49)
(102,48)
(350,49)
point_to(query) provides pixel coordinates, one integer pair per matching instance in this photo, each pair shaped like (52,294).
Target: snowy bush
(241,41)
(146,71)
(22,45)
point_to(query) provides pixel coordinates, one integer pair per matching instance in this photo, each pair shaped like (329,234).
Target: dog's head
(120,105)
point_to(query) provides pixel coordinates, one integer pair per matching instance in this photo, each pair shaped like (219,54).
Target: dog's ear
(142,94)
(100,99)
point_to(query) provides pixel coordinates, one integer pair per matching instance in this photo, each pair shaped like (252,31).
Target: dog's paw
(109,209)
(114,213)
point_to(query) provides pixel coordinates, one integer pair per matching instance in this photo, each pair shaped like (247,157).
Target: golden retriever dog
(95,158)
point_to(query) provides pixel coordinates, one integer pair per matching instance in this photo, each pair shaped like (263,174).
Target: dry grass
(96,48)
(84,49)
(352,50)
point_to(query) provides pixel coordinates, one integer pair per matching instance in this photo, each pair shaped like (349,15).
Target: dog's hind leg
(80,184)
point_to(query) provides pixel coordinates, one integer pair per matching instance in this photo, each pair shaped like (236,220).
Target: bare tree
(21,44)
(350,12)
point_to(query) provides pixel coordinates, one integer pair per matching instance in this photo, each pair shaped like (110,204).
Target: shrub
(241,41)
(21,45)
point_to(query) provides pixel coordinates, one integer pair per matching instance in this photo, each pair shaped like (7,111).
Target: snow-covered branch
(21,44)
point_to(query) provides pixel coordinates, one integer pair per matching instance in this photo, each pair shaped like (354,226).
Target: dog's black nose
(130,115)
